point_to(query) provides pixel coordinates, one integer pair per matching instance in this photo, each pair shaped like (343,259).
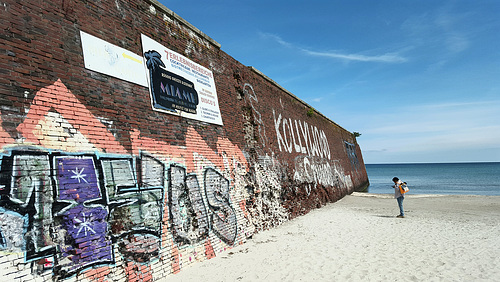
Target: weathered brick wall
(95,185)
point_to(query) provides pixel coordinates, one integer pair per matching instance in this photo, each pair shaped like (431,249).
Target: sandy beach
(442,238)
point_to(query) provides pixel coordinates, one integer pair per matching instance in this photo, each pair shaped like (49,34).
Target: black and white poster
(178,85)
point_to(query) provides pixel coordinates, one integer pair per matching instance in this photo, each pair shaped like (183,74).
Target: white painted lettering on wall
(321,171)
(316,170)
(297,136)
(252,97)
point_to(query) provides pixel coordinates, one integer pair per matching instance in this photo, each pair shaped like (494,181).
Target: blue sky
(420,80)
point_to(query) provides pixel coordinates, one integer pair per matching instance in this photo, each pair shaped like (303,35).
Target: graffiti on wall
(188,214)
(316,170)
(297,136)
(74,207)
(351,154)
(314,165)
(320,172)
(257,117)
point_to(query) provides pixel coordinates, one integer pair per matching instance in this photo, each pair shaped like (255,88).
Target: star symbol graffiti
(79,175)
(85,224)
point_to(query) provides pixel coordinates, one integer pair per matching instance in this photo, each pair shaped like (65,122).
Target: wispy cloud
(441,29)
(276,38)
(455,39)
(384,58)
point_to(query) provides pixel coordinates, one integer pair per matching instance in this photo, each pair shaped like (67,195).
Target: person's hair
(395,179)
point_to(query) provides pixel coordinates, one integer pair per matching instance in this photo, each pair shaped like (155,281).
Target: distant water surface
(437,178)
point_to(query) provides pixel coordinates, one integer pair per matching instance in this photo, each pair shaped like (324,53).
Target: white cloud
(276,38)
(441,31)
(456,42)
(384,58)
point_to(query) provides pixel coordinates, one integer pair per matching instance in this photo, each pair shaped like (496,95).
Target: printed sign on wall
(178,85)
(106,58)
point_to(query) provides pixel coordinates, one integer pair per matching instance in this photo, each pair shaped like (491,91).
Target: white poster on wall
(109,59)
(178,85)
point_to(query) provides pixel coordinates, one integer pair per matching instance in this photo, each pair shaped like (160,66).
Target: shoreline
(358,238)
(411,195)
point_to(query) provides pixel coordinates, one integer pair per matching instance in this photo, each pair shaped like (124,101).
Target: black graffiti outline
(351,154)
(183,191)
(28,208)
(221,205)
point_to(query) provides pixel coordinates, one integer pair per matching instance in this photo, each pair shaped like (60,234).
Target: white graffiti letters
(320,171)
(290,137)
(315,170)
(252,98)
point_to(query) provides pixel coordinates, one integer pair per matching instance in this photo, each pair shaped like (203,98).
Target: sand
(442,238)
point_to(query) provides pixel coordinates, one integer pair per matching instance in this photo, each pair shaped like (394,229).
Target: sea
(437,178)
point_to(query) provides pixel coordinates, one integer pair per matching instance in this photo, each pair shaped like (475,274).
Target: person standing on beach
(399,197)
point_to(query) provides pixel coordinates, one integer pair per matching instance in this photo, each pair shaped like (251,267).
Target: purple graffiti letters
(77,179)
(85,242)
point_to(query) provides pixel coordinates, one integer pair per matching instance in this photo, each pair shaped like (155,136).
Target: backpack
(403,188)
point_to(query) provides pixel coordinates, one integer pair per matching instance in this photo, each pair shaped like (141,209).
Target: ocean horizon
(462,178)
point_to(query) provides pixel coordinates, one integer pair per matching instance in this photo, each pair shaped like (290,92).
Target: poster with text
(178,85)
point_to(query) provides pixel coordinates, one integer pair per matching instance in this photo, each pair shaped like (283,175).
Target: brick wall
(95,185)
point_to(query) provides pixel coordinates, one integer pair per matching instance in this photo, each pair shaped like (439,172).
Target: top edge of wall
(295,97)
(175,16)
